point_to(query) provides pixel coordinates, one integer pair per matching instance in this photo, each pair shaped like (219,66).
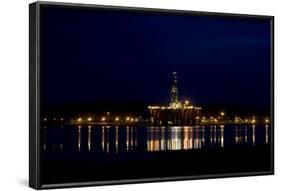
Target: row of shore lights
(54,119)
(89,119)
(222,114)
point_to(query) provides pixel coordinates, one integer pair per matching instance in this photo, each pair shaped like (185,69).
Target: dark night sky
(91,55)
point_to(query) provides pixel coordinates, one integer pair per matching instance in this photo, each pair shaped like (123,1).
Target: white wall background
(14,93)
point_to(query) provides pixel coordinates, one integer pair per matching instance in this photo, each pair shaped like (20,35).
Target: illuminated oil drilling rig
(177,112)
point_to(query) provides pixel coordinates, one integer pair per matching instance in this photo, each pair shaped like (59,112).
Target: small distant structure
(177,112)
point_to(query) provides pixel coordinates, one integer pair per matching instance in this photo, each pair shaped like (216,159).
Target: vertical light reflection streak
(266,134)
(148,148)
(61,136)
(203,136)
(127,137)
(45,137)
(236,134)
(211,135)
(107,139)
(79,138)
(132,138)
(254,134)
(169,142)
(185,138)
(246,134)
(215,134)
(190,132)
(102,138)
(195,138)
(116,139)
(222,135)
(176,139)
(156,144)
(136,137)
(89,137)
(162,139)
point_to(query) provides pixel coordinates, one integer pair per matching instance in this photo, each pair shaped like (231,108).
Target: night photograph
(128,95)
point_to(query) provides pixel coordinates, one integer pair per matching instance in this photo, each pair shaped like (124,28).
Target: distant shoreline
(147,124)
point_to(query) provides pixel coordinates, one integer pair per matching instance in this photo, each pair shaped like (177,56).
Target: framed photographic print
(130,95)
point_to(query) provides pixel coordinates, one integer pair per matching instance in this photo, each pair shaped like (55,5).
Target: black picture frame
(34,94)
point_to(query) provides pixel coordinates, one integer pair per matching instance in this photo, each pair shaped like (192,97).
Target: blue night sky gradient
(91,55)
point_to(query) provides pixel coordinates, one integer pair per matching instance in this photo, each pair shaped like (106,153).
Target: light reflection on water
(175,138)
(116,139)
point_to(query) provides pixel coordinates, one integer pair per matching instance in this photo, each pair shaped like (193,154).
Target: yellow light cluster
(153,107)
(174,106)
(90,119)
(266,120)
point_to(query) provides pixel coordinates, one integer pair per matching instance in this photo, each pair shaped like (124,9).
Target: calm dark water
(100,153)
(73,140)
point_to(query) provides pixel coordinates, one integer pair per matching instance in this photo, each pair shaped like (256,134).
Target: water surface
(121,139)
